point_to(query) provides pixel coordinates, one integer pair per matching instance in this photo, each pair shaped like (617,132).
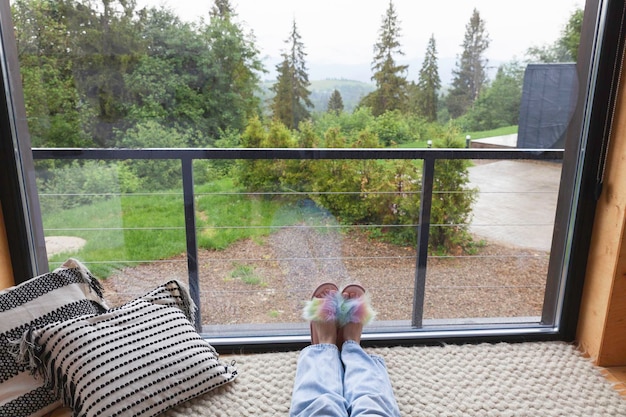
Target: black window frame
(599,66)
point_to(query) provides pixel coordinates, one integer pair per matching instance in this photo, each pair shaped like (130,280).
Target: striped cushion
(67,292)
(135,360)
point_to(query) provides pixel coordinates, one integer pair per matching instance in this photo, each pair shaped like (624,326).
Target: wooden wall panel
(602,324)
(6,271)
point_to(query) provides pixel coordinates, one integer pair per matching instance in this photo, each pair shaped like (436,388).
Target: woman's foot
(325,331)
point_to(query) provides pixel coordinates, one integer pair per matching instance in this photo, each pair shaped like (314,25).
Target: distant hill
(351,92)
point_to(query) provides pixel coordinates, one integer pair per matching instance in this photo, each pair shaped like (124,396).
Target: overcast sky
(338,35)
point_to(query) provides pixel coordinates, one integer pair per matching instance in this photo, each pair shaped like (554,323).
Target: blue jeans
(347,383)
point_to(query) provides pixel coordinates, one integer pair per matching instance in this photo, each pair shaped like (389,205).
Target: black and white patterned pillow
(138,359)
(67,292)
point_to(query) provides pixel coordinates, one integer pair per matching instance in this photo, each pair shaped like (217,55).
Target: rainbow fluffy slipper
(328,304)
(357,309)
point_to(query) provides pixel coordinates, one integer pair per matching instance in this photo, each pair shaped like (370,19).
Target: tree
(452,208)
(198,78)
(51,98)
(291,100)
(222,9)
(168,83)
(470,73)
(570,36)
(335,102)
(153,175)
(105,52)
(233,72)
(428,85)
(565,48)
(389,77)
(498,105)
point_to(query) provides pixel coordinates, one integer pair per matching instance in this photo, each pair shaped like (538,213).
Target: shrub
(392,128)
(452,200)
(381,193)
(81,183)
(159,174)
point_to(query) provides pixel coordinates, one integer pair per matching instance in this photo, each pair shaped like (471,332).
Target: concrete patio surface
(516,203)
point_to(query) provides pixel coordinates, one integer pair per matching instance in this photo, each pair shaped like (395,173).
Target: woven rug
(526,379)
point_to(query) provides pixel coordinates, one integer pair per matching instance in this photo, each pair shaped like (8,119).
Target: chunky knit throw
(526,379)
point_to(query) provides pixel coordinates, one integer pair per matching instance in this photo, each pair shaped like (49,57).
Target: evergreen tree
(233,72)
(390,78)
(291,100)
(428,84)
(335,102)
(222,9)
(470,74)
(282,103)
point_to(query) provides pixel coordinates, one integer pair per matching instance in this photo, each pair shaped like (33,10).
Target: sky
(339,35)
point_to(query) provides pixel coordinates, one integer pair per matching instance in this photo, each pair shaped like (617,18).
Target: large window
(444,163)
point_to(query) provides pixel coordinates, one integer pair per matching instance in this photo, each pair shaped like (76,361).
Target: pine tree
(291,100)
(390,78)
(222,9)
(470,74)
(428,84)
(335,102)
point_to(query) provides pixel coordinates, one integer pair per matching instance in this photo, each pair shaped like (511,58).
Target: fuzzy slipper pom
(356,310)
(324,308)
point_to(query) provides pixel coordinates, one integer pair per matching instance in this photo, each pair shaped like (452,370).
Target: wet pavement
(516,203)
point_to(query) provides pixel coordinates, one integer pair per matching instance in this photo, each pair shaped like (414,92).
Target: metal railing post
(190,233)
(423,230)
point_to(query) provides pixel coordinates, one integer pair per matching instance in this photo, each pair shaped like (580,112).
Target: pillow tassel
(93,282)
(26,353)
(187,305)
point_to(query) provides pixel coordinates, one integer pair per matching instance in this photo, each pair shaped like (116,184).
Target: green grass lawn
(152,227)
(502,131)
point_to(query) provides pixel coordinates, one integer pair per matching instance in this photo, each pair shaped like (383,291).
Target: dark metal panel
(190,234)
(296,153)
(423,232)
(18,192)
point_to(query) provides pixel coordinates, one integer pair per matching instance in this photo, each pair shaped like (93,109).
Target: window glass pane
(465,242)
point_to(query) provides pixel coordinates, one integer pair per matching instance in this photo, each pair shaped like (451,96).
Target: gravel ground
(265,280)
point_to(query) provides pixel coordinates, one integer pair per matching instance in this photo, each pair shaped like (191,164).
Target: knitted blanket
(526,379)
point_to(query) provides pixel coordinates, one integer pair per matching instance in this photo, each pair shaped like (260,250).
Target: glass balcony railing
(253,231)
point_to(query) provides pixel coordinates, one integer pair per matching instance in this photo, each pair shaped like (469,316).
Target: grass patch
(246,274)
(416,144)
(501,131)
(225,214)
(128,229)
(275,313)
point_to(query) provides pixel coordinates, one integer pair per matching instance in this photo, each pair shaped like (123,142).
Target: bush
(155,175)
(381,193)
(79,184)
(392,128)
(452,200)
